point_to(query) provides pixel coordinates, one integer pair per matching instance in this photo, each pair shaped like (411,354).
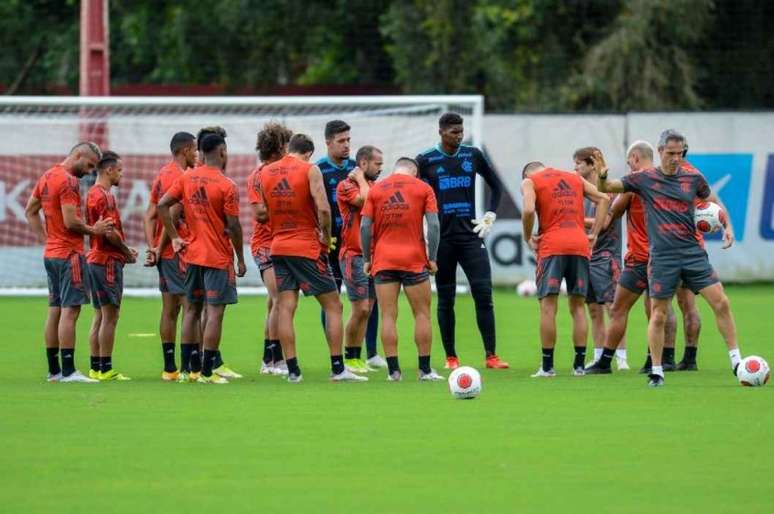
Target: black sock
(606,358)
(580,357)
(196,359)
(267,347)
(424,363)
(548,359)
(276,350)
(105,364)
(392,365)
(690,354)
(68,361)
(168,350)
(293,368)
(668,355)
(337,364)
(350,352)
(94,363)
(358,352)
(185,356)
(217,361)
(372,332)
(52,354)
(648,361)
(208,362)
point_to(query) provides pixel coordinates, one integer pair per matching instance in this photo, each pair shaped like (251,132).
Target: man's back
(397,206)
(55,188)
(208,197)
(559,206)
(636,230)
(100,203)
(292,213)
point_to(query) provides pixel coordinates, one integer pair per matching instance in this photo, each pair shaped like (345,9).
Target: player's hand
(357,175)
(367,268)
(241,268)
(432,267)
(484,226)
(179,244)
(102,226)
(533,243)
(151,257)
(331,245)
(728,238)
(598,161)
(131,256)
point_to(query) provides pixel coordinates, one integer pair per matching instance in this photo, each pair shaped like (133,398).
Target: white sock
(621,353)
(657,370)
(597,353)
(736,356)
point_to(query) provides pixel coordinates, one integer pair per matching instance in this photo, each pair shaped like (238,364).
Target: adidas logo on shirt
(563,189)
(396,202)
(200,196)
(282,189)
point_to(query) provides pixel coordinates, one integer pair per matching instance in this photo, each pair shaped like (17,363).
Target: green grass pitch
(593,444)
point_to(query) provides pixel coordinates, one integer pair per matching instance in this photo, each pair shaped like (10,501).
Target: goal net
(39,131)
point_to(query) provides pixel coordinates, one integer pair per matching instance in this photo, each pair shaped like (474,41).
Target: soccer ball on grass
(465,383)
(753,371)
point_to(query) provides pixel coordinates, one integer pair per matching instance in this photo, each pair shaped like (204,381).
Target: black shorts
(263,259)
(172,275)
(359,285)
(667,273)
(406,278)
(574,269)
(313,277)
(604,273)
(634,277)
(68,281)
(107,283)
(210,285)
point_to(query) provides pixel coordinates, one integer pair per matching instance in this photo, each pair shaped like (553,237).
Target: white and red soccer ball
(753,371)
(465,383)
(709,217)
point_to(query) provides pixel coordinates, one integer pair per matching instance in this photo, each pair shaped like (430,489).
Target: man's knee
(482,294)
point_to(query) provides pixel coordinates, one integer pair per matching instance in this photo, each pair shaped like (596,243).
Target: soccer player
(106,259)
(335,167)
(394,253)
(211,209)
(668,195)
(57,194)
(563,247)
(451,168)
(271,145)
(351,195)
(170,266)
(297,209)
(605,263)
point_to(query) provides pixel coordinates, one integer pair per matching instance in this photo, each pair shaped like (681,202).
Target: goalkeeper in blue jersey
(451,168)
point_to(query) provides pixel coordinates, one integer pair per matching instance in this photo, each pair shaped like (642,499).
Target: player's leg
(94,361)
(358,291)
(333,258)
(172,275)
(664,275)
(446,288)
(417,289)
(190,331)
(371,338)
(474,259)
(387,292)
(271,331)
(619,316)
(74,287)
(548,278)
(107,339)
(598,279)
(220,285)
(597,316)
(576,274)
(686,300)
(331,306)
(51,331)
(718,300)
(287,301)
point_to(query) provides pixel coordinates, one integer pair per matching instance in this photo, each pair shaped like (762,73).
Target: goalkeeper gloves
(484,225)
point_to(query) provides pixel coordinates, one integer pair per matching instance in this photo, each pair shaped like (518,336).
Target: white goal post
(39,131)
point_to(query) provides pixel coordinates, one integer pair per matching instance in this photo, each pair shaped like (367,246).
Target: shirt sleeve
(70,192)
(368,208)
(155,194)
(703,190)
(431,205)
(254,190)
(484,168)
(231,203)
(347,191)
(37,188)
(95,208)
(631,183)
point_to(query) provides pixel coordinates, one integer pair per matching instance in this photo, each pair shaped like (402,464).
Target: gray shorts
(574,269)
(210,285)
(359,285)
(604,273)
(68,281)
(634,277)
(312,277)
(172,275)
(263,260)
(666,274)
(406,278)
(107,283)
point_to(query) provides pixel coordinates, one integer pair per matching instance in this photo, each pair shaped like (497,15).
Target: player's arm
(528,212)
(603,184)
(433,239)
(728,229)
(164,205)
(149,223)
(358,177)
(317,189)
(603,206)
(484,169)
(620,205)
(260,212)
(32,212)
(235,234)
(75,224)
(366,233)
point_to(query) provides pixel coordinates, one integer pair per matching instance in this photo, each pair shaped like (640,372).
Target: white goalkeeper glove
(484,225)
